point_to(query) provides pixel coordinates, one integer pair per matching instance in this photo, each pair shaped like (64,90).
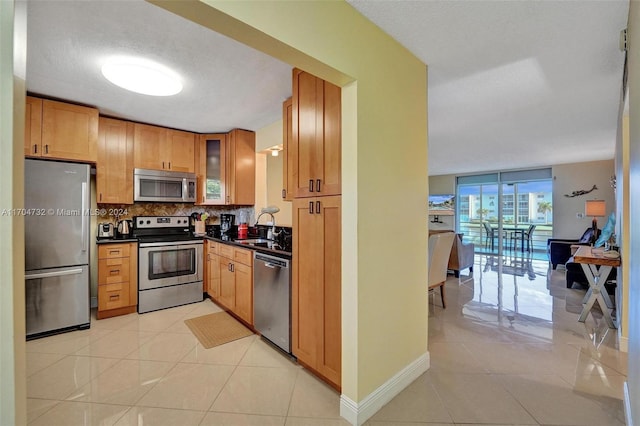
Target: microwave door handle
(185,188)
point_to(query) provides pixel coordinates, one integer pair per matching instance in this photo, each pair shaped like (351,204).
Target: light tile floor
(507,350)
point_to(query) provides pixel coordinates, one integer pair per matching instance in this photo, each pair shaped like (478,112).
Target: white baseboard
(627,406)
(623,342)
(358,413)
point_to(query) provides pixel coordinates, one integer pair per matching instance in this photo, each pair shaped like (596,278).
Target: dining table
(518,232)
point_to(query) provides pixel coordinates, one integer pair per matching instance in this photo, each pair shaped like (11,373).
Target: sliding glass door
(506,211)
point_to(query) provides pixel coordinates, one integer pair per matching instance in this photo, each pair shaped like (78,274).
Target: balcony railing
(474,232)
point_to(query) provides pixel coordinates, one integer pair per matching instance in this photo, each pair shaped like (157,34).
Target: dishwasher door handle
(271,265)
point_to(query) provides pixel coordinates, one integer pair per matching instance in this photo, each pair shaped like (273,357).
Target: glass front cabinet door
(211,165)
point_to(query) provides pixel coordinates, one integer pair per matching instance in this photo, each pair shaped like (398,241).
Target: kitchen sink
(254,241)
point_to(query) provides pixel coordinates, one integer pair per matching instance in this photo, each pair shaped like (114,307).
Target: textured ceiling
(512,84)
(226,84)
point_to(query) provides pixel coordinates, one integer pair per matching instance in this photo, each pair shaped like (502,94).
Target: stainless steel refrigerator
(56,246)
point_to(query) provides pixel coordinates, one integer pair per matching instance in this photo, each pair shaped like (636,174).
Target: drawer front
(212,247)
(113,296)
(108,251)
(225,250)
(113,270)
(243,256)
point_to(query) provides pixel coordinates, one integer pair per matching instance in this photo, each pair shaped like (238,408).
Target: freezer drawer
(57,299)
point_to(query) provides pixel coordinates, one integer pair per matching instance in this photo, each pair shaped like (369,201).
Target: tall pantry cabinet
(314,183)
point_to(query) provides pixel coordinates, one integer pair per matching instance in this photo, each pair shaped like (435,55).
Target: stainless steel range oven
(169,263)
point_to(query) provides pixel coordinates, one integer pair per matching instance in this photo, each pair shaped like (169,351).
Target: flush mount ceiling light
(142,76)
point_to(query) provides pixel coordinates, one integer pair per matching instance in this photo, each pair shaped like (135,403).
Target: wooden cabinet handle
(163,165)
(114,271)
(35,149)
(101,196)
(318,207)
(310,185)
(310,207)
(284,193)
(317,185)
(169,165)
(46,149)
(114,297)
(114,251)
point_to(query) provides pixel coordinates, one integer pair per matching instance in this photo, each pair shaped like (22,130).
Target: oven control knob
(140,222)
(148,222)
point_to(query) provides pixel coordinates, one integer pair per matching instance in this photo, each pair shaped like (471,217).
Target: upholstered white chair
(439,250)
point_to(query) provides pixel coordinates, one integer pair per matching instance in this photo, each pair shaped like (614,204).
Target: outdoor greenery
(213,189)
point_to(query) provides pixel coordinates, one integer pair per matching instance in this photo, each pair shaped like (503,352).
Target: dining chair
(491,235)
(439,250)
(528,234)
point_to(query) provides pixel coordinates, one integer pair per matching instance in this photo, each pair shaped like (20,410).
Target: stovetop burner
(153,229)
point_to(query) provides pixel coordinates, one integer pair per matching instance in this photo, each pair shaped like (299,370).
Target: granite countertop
(260,247)
(116,240)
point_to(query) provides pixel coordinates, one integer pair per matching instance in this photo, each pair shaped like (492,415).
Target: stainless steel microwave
(164,186)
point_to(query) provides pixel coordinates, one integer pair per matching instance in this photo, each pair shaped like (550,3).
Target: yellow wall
(12,315)
(623,226)
(633,63)
(271,179)
(384,168)
(269,136)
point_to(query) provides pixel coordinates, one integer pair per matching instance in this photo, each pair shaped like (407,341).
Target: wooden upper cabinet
(180,146)
(226,168)
(33,127)
(114,168)
(60,130)
(149,142)
(241,167)
(159,148)
(314,151)
(287,107)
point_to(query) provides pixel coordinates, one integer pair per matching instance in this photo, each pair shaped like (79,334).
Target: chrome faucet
(271,234)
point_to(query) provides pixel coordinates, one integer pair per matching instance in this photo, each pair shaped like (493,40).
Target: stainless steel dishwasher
(272,299)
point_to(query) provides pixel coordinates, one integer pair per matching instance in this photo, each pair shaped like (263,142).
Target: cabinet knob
(310,207)
(317,185)
(46,149)
(169,165)
(310,185)
(35,149)
(318,207)
(284,193)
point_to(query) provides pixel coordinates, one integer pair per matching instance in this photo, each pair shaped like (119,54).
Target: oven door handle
(181,244)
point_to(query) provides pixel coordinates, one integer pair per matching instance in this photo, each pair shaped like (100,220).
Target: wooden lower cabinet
(230,278)
(244,291)
(316,287)
(213,270)
(117,279)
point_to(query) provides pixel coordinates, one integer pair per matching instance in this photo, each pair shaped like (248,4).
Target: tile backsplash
(113,212)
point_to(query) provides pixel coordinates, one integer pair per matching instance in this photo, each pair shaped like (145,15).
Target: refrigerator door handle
(84,216)
(53,274)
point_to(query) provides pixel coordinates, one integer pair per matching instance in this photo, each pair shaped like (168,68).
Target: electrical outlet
(580,215)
